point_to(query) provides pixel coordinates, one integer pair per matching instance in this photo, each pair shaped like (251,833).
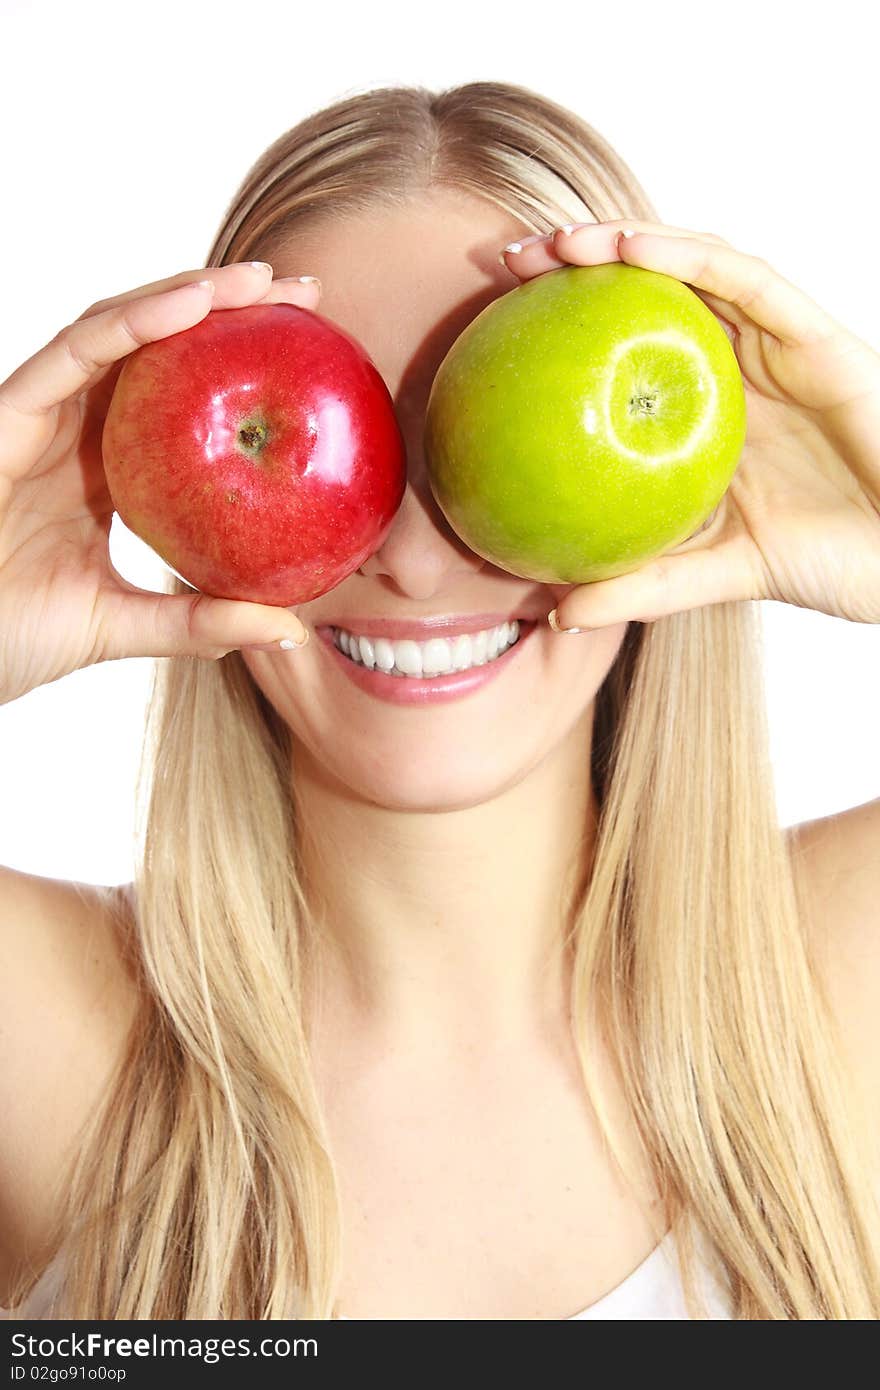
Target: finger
(245,282)
(745,282)
(302,290)
(101,338)
(70,362)
(143,623)
(593,244)
(256,273)
(733,320)
(530,256)
(235,287)
(671,584)
(75,358)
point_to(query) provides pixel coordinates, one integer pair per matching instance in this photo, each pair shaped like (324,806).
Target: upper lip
(420,629)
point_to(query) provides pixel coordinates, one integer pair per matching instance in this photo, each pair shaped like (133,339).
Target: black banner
(135,1354)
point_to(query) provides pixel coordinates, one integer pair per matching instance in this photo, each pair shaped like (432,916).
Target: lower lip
(406,690)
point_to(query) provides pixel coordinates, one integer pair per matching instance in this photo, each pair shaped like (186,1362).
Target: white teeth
(438,656)
(384,653)
(408,658)
(461,652)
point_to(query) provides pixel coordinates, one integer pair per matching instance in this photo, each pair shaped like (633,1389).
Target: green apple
(585,422)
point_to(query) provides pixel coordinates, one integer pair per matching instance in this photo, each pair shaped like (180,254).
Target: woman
(493,1006)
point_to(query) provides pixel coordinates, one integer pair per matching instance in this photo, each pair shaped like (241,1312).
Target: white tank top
(651,1293)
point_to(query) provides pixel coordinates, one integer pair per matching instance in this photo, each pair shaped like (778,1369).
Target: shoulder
(67,946)
(836,860)
(68,998)
(836,863)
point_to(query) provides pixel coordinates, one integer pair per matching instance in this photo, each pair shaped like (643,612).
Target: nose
(421,555)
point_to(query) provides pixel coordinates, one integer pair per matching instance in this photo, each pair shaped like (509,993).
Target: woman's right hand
(63,605)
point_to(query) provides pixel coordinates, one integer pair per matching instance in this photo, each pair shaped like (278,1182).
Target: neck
(444,932)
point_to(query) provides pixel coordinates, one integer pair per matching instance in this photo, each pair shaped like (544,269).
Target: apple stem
(252,436)
(644,405)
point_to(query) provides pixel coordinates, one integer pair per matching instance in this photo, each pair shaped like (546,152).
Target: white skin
(444,836)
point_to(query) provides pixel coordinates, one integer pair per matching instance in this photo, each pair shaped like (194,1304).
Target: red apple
(257,453)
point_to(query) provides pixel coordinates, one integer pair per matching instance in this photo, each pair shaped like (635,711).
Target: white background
(127,130)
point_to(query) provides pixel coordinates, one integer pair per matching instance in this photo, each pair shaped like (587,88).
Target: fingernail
(297,280)
(627,232)
(260,265)
(552,620)
(286,644)
(515,247)
(575,227)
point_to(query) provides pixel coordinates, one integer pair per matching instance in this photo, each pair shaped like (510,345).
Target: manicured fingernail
(260,265)
(285,645)
(298,280)
(627,232)
(552,620)
(574,227)
(514,248)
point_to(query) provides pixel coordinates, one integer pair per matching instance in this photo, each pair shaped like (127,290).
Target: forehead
(406,280)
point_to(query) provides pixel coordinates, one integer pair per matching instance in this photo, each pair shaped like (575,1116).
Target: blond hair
(206,1187)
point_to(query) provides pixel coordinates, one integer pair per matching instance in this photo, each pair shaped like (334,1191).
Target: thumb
(143,623)
(671,584)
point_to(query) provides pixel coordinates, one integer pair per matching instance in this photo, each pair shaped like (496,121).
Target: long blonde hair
(206,1186)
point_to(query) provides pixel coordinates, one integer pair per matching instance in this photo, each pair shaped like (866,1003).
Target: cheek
(576,669)
(282,687)
(576,666)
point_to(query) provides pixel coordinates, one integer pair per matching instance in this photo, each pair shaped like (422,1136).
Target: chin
(428,785)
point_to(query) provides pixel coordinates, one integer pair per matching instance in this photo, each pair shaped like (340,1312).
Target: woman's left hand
(800,520)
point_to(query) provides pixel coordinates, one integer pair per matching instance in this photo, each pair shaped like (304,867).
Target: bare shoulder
(68,997)
(836,861)
(64,943)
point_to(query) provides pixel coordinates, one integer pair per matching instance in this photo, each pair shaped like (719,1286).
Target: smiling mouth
(439,656)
